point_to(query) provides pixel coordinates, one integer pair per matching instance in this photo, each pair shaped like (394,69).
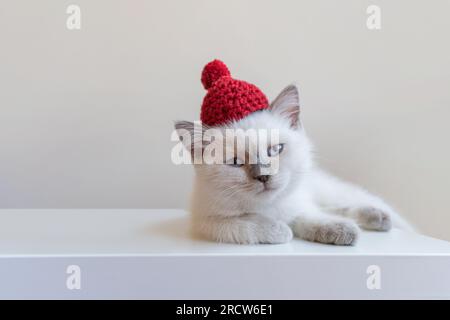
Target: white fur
(230,206)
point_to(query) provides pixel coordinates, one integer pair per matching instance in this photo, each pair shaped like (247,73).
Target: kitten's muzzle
(259,172)
(263,178)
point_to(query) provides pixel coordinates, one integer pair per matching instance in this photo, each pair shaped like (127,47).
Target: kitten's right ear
(190,134)
(181,126)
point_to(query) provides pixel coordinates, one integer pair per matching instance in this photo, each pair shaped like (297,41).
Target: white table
(150,254)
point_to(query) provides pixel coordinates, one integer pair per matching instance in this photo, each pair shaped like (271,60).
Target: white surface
(86,116)
(150,254)
(149,232)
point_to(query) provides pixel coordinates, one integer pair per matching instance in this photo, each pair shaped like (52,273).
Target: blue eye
(275,150)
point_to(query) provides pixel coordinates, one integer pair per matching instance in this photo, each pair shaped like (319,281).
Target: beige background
(86,116)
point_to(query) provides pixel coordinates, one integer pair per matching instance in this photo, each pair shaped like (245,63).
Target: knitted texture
(212,72)
(228,99)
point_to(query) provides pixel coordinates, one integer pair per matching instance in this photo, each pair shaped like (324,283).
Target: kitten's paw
(275,232)
(245,229)
(256,228)
(372,218)
(344,233)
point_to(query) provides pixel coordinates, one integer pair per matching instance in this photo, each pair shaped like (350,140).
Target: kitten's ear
(287,104)
(190,134)
(184,126)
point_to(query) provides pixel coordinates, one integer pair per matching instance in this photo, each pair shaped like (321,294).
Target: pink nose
(263,178)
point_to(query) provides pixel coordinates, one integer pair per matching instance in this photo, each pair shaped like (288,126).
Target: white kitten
(233,203)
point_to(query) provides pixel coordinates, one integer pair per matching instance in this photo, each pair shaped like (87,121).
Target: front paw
(245,229)
(254,229)
(372,218)
(275,232)
(344,233)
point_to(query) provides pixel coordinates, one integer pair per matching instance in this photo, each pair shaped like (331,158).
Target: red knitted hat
(228,99)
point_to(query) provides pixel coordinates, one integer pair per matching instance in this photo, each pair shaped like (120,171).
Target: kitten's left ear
(287,104)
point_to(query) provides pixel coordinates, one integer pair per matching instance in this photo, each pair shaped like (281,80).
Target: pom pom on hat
(212,72)
(228,99)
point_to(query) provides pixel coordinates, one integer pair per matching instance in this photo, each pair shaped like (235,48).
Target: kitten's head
(269,164)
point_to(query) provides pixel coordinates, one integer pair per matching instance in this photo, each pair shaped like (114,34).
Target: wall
(86,115)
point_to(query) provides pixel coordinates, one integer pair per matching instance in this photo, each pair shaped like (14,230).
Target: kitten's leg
(368,217)
(351,201)
(244,229)
(325,228)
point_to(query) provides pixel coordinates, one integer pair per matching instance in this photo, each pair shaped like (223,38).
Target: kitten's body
(301,200)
